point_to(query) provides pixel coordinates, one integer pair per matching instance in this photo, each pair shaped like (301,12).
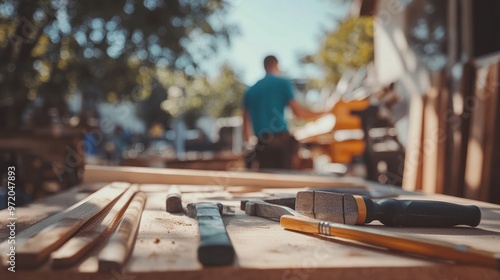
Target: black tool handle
(421,213)
(215,246)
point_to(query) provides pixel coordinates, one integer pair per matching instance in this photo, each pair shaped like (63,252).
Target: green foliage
(226,94)
(218,97)
(426,28)
(111,45)
(348,46)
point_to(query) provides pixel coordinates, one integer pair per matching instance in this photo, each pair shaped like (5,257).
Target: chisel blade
(333,207)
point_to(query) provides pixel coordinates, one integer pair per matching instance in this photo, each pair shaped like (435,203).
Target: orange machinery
(343,138)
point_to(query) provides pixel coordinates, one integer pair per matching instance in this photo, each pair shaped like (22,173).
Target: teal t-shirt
(266,101)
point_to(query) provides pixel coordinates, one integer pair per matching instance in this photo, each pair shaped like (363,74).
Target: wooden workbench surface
(166,244)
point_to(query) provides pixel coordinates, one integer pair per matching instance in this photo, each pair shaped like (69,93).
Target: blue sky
(285,28)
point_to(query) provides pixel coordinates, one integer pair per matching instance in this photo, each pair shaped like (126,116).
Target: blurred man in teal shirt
(264,105)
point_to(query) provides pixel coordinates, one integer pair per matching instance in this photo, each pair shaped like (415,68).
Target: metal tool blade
(288,201)
(268,210)
(332,207)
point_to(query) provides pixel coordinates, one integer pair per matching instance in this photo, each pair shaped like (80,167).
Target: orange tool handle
(430,248)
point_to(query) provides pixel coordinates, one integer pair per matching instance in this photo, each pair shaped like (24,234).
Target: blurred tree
(350,45)
(150,109)
(196,96)
(226,94)
(426,32)
(82,45)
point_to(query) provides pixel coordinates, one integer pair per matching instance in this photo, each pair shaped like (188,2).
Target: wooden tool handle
(430,248)
(215,246)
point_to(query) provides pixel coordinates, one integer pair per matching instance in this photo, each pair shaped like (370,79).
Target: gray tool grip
(421,213)
(215,246)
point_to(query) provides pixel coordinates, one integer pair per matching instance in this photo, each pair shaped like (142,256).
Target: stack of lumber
(453,132)
(65,237)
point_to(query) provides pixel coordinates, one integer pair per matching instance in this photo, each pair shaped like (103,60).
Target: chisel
(355,210)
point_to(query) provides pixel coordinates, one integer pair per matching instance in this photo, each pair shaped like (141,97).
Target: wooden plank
(119,247)
(41,220)
(412,174)
(448,147)
(481,140)
(145,175)
(435,134)
(37,249)
(494,189)
(453,86)
(474,168)
(491,122)
(166,242)
(97,229)
(40,217)
(430,139)
(443,133)
(463,111)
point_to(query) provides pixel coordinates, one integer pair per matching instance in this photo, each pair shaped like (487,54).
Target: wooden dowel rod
(423,247)
(120,245)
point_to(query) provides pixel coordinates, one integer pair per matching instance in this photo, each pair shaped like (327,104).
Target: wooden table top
(166,243)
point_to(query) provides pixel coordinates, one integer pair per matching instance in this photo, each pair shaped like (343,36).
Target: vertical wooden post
(481,140)
(412,175)
(467,94)
(434,136)
(494,189)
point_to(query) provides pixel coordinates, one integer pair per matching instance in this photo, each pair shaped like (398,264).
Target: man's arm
(247,126)
(304,113)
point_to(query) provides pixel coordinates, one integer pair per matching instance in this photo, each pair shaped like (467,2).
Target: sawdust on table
(355,254)
(176,223)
